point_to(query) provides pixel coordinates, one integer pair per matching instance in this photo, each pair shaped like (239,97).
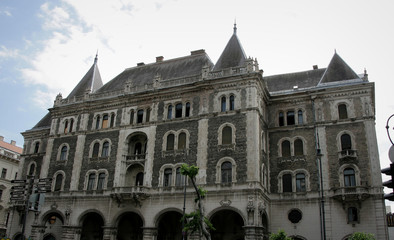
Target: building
(295,151)
(9,165)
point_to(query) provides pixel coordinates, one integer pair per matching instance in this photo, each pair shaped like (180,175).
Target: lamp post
(390,170)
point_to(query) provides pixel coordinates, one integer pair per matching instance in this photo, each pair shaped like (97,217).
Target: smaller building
(9,164)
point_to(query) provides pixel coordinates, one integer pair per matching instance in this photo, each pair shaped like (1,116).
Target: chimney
(1,138)
(13,143)
(140,64)
(315,67)
(159,59)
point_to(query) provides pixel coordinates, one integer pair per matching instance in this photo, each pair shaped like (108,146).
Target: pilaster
(71,233)
(149,233)
(110,233)
(37,232)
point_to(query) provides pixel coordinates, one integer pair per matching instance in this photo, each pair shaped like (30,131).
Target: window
(298,147)
(346,142)
(32,169)
(182,141)
(227,135)
(36,147)
(286,149)
(4,173)
(281,119)
(71,125)
(169,112)
(98,122)
(295,216)
(223,104)
(96,148)
(342,111)
(349,177)
(148,114)
(105,121)
(139,179)
(231,102)
(1,194)
(287,183)
(131,116)
(58,182)
(178,110)
(105,151)
(180,179)
(140,116)
(167,177)
(66,126)
(170,142)
(352,214)
(300,182)
(187,113)
(300,118)
(63,153)
(91,181)
(112,123)
(290,118)
(101,181)
(226,170)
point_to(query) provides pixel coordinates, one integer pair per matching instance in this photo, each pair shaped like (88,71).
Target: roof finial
(235,26)
(96,58)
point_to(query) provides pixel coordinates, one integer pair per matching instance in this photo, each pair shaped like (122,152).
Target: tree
(196,221)
(281,235)
(362,236)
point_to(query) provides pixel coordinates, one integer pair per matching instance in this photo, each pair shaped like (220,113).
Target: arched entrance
(54,226)
(92,227)
(49,237)
(228,225)
(130,227)
(169,226)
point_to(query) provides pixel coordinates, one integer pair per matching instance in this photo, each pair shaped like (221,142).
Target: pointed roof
(233,54)
(338,70)
(90,82)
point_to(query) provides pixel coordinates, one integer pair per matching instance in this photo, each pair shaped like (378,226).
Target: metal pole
(184,204)
(27,201)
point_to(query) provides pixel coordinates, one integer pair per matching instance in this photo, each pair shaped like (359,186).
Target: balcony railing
(353,193)
(291,159)
(136,157)
(135,194)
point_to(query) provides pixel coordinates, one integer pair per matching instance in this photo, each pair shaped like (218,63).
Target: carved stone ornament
(225,202)
(250,206)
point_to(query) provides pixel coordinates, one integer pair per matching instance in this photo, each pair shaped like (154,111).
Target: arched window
(300,118)
(346,142)
(169,112)
(32,169)
(58,183)
(226,170)
(101,181)
(105,121)
(98,122)
(139,179)
(178,110)
(281,119)
(63,153)
(91,181)
(298,147)
(167,177)
(342,111)
(349,177)
(232,102)
(148,114)
(290,118)
(112,123)
(227,135)
(287,183)
(96,148)
(66,126)
(137,148)
(131,116)
(182,141)
(300,182)
(140,116)
(223,104)
(71,124)
(286,149)
(170,142)
(105,151)
(187,113)
(180,179)
(36,147)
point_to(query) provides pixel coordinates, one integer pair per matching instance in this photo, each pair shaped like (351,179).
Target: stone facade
(293,151)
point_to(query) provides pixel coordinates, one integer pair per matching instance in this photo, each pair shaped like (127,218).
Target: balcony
(291,159)
(347,154)
(135,194)
(350,194)
(136,158)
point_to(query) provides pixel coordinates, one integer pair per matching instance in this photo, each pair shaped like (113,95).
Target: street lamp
(390,170)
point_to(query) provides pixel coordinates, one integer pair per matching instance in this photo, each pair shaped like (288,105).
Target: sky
(46,47)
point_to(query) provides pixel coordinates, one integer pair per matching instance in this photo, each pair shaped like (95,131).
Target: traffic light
(390,183)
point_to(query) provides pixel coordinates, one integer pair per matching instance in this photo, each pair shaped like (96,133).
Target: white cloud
(8,53)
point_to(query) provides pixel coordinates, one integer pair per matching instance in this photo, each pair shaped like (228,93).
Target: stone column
(150,233)
(110,233)
(37,231)
(71,233)
(253,233)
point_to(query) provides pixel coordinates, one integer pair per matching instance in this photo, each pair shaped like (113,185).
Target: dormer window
(232,103)
(169,112)
(223,104)
(290,118)
(140,116)
(105,121)
(187,113)
(342,111)
(36,147)
(178,110)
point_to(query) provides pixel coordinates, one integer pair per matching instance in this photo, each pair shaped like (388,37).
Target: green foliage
(281,235)
(190,171)
(192,222)
(362,236)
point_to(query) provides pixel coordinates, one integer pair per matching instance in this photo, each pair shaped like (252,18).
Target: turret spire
(235,26)
(96,58)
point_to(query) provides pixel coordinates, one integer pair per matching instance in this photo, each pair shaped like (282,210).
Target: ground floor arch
(92,226)
(228,224)
(130,227)
(169,226)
